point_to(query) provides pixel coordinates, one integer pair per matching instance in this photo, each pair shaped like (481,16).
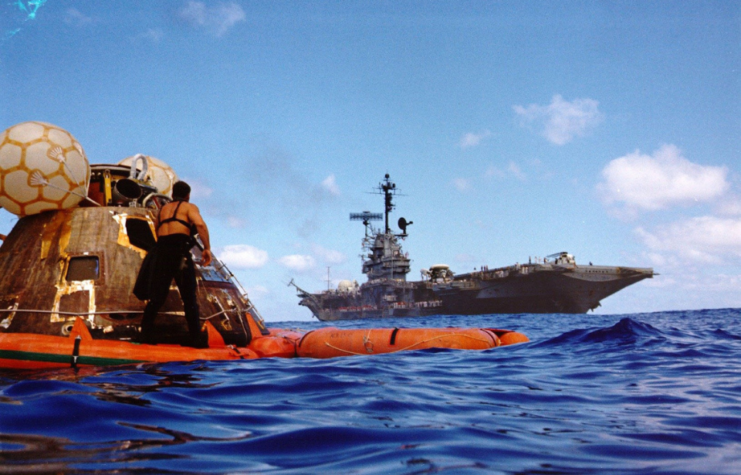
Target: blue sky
(513,129)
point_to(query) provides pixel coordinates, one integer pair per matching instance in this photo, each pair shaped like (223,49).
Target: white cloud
(75,17)
(515,171)
(235,222)
(512,170)
(705,239)
(472,139)
(258,291)
(217,19)
(152,34)
(716,283)
(466,258)
(194,12)
(562,120)
(298,262)
(655,182)
(729,206)
(243,256)
(198,189)
(330,186)
(282,186)
(495,172)
(329,256)
(462,184)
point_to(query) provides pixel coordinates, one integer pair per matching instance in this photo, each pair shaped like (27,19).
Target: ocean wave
(636,393)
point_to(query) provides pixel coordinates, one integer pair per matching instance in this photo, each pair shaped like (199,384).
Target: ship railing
(423,304)
(342,292)
(229,275)
(458,284)
(398,283)
(362,308)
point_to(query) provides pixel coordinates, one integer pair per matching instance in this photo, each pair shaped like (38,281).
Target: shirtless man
(172,260)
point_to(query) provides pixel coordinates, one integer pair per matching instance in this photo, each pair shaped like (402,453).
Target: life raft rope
(235,349)
(368,343)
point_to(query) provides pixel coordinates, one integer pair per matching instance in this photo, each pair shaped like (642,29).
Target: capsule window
(140,234)
(83,268)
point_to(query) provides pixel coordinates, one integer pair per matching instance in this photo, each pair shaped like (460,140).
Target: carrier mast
(389,190)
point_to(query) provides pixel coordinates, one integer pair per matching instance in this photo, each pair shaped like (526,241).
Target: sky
(512,129)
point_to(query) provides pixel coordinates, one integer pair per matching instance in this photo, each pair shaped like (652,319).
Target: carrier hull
(331,315)
(541,289)
(556,285)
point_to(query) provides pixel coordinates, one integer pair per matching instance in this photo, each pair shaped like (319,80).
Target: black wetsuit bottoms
(172,260)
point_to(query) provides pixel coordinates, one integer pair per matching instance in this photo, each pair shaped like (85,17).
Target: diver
(171,259)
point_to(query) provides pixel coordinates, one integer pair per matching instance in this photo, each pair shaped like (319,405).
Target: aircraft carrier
(554,284)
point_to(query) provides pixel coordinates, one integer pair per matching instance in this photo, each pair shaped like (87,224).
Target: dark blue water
(648,393)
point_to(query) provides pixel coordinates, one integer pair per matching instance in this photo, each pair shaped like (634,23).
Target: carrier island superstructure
(555,284)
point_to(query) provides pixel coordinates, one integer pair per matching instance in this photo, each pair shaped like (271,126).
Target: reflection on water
(39,453)
(131,393)
(28,453)
(125,386)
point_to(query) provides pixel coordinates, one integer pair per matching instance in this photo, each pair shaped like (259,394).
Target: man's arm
(195,217)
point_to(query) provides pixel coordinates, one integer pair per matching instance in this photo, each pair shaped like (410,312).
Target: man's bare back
(189,213)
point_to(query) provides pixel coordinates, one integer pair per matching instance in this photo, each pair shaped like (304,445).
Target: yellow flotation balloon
(42,167)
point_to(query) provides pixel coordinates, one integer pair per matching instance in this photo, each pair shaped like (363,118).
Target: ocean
(639,393)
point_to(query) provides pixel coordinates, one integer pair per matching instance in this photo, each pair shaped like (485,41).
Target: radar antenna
(366,217)
(403,223)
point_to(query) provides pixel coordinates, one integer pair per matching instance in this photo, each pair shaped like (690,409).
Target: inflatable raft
(332,342)
(34,351)
(70,262)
